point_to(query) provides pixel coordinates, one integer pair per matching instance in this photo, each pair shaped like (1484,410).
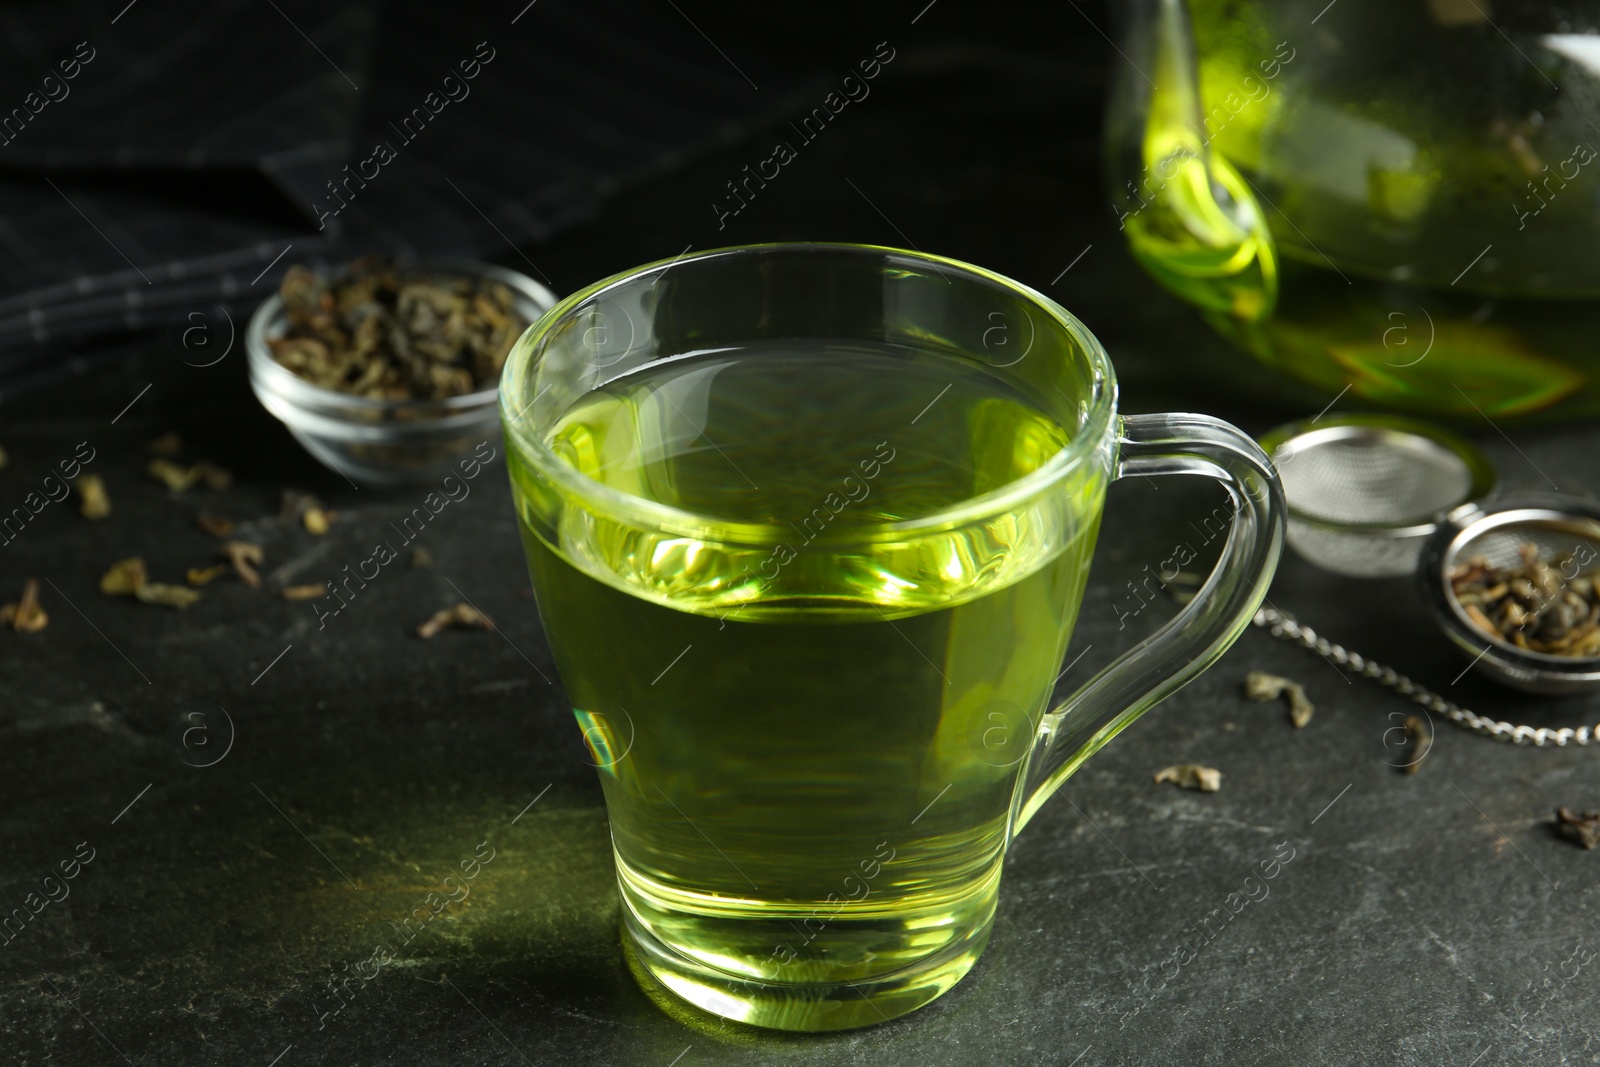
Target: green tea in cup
(809,526)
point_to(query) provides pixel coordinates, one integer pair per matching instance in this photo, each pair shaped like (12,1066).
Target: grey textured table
(242,863)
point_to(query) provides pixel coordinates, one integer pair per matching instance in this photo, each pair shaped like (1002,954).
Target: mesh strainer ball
(1366,491)
(1563,530)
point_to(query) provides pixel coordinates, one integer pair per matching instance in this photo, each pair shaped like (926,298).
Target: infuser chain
(1285,628)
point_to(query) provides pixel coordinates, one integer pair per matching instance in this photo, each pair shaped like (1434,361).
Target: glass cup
(809,526)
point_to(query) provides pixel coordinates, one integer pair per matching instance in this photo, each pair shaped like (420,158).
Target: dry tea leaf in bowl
(388,333)
(1541,606)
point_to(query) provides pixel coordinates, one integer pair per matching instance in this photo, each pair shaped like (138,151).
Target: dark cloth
(160,157)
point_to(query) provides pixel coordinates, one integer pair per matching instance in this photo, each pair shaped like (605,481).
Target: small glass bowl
(384,442)
(1558,526)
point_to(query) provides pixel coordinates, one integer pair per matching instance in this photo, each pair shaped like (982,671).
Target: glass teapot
(1402,198)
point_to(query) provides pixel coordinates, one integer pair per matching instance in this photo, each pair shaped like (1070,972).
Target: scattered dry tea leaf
(303,592)
(168,444)
(1191,776)
(203,575)
(1419,736)
(124,578)
(462,615)
(293,503)
(421,558)
(25,616)
(95,503)
(243,555)
(214,476)
(127,577)
(4,459)
(177,477)
(309,510)
(172,596)
(1582,827)
(172,475)
(1261,687)
(215,525)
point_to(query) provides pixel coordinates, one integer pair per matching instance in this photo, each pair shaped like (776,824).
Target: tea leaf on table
(294,503)
(173,476)
(95,504)
(25,616)
(1581,827)
(168,444)
(215,525)
(124,578)
(1419,735)
(128,578)
(316,521)
(303,592)
(214,476)
(242,554)
(202,575)
(462,615)
(177,477)
(1261,687)
(4,459)
(172,596)
(1191,776)
(421,558)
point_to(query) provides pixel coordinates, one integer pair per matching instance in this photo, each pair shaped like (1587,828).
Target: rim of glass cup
(1088,437)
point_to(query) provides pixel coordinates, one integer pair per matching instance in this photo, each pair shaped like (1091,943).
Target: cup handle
(1140,678)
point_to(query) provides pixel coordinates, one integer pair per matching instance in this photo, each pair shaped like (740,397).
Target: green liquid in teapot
(1404,200)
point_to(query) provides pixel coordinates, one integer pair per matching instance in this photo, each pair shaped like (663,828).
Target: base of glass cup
(803,1007)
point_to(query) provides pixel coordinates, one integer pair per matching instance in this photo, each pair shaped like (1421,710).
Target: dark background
(1429,919)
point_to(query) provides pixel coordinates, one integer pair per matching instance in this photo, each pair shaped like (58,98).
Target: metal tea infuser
(1382,496)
